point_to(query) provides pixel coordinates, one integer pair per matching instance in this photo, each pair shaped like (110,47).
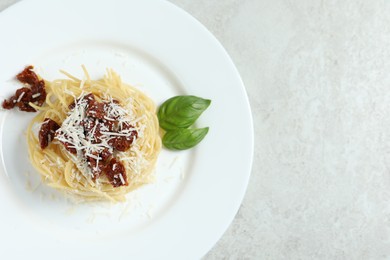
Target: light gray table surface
(318,81)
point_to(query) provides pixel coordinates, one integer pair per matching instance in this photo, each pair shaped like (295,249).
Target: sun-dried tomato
(47,132)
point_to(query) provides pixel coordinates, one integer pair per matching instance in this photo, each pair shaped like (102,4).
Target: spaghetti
(89,154)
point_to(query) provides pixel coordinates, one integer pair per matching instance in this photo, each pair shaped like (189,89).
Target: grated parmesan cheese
(72,133)
(20,97)
(36,95)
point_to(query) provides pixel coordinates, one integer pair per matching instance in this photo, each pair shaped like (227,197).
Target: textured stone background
(318,81)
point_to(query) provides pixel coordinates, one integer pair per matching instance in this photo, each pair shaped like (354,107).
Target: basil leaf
(181,139)
(181,111)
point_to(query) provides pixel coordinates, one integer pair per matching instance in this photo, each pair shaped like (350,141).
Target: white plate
(165,52)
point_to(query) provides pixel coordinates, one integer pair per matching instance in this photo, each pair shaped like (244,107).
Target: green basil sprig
(182,138)
(181,111)
(175,116)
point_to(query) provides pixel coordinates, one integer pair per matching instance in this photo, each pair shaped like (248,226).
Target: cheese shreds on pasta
(65,171)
